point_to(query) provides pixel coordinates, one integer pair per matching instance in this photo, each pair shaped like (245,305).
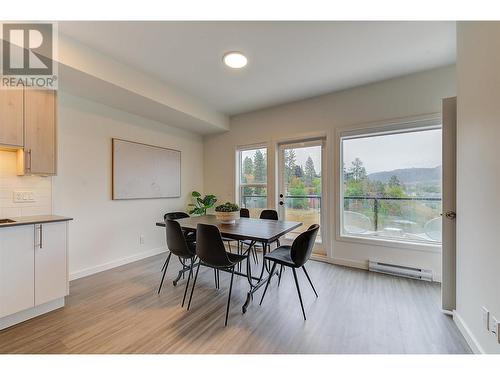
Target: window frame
(237,180)
(395,127)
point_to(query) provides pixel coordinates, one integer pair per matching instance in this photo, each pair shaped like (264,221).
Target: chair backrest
(176,242)
(210,247)
(303,245)
(244,212)
(269,215)
(175,215)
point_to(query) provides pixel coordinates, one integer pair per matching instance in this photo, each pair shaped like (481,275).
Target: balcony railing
(413,218)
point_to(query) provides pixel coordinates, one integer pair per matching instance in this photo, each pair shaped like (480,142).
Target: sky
(388,152)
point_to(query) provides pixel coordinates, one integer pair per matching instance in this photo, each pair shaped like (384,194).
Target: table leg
(262,279)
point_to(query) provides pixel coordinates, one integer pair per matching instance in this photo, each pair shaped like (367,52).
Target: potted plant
(201,205)
(227,213)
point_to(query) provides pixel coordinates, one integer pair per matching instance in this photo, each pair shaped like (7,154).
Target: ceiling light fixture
(235,60)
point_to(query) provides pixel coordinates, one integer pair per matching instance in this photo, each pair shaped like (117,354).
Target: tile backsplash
(10,182)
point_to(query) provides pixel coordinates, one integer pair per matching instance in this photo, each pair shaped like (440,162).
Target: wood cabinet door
(16,269)
(50,262)
(40,132)
(11,117)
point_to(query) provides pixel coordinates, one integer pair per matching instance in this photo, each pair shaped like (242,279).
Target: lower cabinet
(17,269)
(50,262)
(33,266)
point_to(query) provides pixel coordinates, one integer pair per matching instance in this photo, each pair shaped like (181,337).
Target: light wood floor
(118,311)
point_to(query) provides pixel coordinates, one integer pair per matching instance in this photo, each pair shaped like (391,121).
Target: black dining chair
(244,212)
(266,214)
(294,256)
(177,244)
(189,235)
(212,253)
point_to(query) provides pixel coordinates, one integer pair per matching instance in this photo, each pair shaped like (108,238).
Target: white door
(16,269)
(448,283)
(50,262)
(300,186)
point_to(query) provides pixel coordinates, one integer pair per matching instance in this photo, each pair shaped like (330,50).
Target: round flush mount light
(235,60)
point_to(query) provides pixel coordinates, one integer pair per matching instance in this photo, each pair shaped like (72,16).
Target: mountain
(409,176)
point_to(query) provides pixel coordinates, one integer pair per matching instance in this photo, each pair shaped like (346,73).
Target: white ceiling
(287,60)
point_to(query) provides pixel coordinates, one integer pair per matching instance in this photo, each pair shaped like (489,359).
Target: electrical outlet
(486,318)
(141,239)
(23,196)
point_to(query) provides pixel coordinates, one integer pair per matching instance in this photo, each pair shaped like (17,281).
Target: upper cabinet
(28,123)
(11,118)
(39,154)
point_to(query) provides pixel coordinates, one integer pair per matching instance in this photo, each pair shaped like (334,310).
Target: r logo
(27,49)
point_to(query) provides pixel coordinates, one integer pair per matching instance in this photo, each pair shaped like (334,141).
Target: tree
(289,161)
(297,188)
(247,168)
(357,171)
(309,172)
(394,181)
(259,171)
(298,171)
(394,188)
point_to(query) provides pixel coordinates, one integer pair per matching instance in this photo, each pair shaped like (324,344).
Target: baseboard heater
(403,271)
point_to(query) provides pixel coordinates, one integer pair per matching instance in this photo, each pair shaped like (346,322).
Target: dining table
(253,231)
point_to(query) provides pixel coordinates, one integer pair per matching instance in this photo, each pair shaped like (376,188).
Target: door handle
(450,215)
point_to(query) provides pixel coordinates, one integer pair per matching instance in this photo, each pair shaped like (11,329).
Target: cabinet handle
(29,164)
(41,237)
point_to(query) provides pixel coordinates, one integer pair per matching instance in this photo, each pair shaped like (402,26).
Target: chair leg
(298,291)
(229,298)
(268,282)
(187,284)
(165,266)
(279,276)
(310,282)
(215,278)
(194,283)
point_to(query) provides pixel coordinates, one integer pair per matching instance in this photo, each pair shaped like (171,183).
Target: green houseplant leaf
(201,205)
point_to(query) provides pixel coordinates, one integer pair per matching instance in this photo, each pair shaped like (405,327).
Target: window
(252,181)
(391,186)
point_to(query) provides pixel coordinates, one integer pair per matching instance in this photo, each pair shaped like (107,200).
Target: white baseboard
(341,261)
(115,263)
(24,315)
(467,334)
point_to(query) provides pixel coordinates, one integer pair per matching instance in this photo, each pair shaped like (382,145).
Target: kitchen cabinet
(39,153)
(11,118)
(33,270)
(50,262)
(17,269)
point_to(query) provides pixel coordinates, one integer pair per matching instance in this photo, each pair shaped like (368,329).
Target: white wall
(407,96)
(478,180)
(10,182)
(106,233)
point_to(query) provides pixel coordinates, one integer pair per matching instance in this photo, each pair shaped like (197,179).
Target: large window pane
(253,180)
(392,186)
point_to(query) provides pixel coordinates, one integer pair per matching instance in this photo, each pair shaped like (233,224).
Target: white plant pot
(227,217)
